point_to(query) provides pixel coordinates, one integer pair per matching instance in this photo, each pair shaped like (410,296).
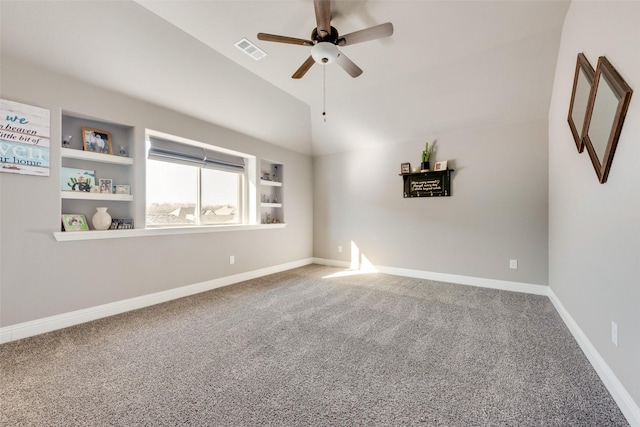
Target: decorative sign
(24,139)
(427,184)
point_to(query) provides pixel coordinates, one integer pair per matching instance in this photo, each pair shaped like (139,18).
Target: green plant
(426,154)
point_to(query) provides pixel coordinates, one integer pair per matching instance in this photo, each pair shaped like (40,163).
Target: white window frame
(247,187)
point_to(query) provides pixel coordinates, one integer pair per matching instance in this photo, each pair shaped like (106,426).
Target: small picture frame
(72,179)
(405,168)
(441,166)
(105,185)
(121,224)
(74,222)
(97,141)
(123,189)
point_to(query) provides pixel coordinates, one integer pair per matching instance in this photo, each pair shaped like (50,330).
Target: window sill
(62,236)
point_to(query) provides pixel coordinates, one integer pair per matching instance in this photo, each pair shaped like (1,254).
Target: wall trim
(627,405)
(527,288)
(332,262)
(504,285)
(64,320)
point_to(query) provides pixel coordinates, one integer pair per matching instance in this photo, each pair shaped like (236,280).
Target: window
(189,185)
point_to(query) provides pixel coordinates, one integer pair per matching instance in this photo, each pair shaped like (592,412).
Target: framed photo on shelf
(405,168)
(441,166)
(105,185)
(123,189)
(97,141)
(72,179)
(74,222)
(121,224)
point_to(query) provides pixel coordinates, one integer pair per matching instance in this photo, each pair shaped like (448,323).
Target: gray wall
(41,277)
(498,209)
(594,229)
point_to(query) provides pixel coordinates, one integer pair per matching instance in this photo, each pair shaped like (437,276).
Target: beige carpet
(300,348)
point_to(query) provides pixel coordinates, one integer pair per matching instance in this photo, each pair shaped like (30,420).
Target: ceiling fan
(325,41)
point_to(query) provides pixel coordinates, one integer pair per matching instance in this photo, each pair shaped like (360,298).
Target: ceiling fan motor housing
(324,52)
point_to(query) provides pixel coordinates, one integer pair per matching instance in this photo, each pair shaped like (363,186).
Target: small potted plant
(425,157)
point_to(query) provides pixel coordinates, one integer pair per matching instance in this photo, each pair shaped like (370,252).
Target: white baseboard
(331,262)
(52,323)
(625,402)
(504,285)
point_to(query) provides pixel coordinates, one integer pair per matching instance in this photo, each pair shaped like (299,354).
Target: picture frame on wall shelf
(97,141)
(122,189)
(105,185)
(405,168)
(74,222)
(73,179)
(441,166)
(121,224)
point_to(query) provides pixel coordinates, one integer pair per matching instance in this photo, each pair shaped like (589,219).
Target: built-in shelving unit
(118,168)
(271,194)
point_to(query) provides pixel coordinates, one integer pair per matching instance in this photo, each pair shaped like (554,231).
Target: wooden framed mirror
(582,82)
(607,108)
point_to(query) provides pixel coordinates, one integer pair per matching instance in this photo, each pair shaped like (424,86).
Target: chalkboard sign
(427,184)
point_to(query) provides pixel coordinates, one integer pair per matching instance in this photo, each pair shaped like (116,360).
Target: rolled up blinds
(174,152)
(223,161)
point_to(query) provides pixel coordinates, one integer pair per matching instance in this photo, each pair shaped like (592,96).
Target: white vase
(101,220)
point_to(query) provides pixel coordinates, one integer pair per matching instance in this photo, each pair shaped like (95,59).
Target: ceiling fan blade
(300,72)
(284,39)
(323,16)
(352,69)
(371,33)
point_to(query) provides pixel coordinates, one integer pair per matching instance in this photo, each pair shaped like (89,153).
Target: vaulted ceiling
(449,64)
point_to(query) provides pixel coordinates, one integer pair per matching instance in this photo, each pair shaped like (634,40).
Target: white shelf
(65,236)
(85,195)
(70,153)
(270,183)
(271,205)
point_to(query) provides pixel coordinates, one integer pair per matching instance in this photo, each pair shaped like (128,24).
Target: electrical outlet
(340,248)
(232,259)
(614,333)
(513,264)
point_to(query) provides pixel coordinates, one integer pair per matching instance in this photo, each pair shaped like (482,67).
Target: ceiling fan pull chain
(324,93)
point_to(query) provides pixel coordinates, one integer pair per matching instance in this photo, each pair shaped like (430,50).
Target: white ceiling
(449,64)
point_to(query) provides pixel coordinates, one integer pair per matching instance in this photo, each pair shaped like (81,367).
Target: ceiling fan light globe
(324,52)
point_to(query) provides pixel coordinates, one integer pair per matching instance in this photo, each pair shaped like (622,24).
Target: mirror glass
(606,110)
(602,116)
(582,82)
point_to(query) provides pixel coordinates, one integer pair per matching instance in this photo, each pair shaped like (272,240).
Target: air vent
(251,49)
